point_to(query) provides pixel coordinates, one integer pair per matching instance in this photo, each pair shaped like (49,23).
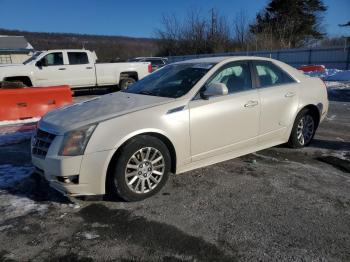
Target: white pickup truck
(77,68)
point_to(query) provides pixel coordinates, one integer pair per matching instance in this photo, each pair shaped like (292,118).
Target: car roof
(68,50)
(219,59)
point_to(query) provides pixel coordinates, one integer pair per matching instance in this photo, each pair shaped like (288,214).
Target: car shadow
(330,144)
(35,188)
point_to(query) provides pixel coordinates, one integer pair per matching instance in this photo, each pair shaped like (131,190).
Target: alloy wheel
(144,170)
(305,129)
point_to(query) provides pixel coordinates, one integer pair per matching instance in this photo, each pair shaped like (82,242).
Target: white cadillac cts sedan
(184,116)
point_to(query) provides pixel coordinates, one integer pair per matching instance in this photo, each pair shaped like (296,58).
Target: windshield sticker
(202,66)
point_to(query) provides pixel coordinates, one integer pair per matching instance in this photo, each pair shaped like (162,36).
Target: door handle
(89,67)
(62,68)
(289,94)
(251,103)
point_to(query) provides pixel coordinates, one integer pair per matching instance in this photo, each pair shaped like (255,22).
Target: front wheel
(304,129)
(142,169)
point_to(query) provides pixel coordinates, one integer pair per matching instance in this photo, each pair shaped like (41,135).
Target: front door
(52,70)
(223,124)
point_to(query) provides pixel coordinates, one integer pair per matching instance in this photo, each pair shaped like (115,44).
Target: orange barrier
(312,68)
(23,103)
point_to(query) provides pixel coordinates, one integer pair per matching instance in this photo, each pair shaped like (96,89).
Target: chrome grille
(41,143)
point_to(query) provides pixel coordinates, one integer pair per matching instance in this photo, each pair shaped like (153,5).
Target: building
(14,49)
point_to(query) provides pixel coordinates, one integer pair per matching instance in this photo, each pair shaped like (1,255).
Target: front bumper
(77,175)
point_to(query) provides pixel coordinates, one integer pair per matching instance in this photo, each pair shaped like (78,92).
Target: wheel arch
(131,74)
(158,135)
(24,79)
(315,111)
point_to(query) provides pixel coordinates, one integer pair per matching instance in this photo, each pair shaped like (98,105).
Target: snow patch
(11,175)
(24,121)
(15,133)
(11,204)
(331,74)
(15,138)
(5,227)
(337,85)
(89,235)
(15,206)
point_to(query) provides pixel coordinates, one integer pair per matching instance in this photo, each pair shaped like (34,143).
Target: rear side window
(236,76)
(78,58)
(271,75)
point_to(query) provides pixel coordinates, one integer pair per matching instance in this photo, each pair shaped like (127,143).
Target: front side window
(236,76)
(78,58)
(173,81)
(53,59)
(270,75)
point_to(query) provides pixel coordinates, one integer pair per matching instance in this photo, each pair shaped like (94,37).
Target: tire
(303,130)
(126,82)
(135,176)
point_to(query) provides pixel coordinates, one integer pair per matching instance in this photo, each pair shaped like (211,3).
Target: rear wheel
(142,169)
(126,82)
(304,129)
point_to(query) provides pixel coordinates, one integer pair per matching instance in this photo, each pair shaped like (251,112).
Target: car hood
(12,69)
(96,110)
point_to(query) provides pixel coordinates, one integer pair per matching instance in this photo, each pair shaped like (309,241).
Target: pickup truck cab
(74,67)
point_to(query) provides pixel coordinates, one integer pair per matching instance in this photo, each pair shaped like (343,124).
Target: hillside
(108,48)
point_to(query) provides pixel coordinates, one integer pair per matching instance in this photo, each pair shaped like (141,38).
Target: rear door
(278,93)
(80,72)
(226,123)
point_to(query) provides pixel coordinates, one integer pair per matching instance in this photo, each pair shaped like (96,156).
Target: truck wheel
(303,130)
(141,170)
(126,82)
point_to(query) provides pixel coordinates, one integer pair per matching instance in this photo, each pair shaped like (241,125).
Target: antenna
(84,42)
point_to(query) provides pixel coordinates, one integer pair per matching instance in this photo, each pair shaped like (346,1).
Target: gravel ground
(278,204)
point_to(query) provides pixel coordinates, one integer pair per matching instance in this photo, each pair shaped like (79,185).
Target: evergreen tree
(289,23)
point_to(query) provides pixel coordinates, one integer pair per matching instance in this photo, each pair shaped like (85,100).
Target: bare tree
(194,35)
(241,28)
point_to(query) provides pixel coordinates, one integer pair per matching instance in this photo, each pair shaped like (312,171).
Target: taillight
(150,68)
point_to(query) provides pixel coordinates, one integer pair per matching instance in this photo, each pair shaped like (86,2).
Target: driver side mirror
(40,63)
(214,89)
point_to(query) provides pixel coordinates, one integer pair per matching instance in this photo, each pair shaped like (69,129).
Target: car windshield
(173,81)
(35,56)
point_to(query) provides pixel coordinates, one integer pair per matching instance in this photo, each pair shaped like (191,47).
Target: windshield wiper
(143,92)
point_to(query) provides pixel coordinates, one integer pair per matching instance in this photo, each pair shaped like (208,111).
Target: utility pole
(213,22)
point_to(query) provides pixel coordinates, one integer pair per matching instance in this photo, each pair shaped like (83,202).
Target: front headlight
(74,142)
